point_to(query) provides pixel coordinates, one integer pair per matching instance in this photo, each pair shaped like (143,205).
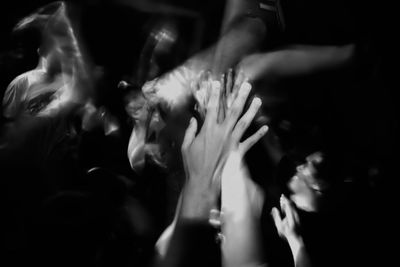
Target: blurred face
(306,186)
(136,108)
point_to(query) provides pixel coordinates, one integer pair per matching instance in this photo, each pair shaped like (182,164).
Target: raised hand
(205,154)
(288,228)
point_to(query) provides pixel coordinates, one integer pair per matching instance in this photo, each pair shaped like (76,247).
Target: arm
(287,228)
(241,198)
(296,61)
(204,155)
(242,202)
(241,38)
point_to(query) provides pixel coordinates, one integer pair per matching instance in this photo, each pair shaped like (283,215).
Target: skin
(306,194)
(305,187)
(205,153)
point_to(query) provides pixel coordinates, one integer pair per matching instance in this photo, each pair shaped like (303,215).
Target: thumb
(189,134)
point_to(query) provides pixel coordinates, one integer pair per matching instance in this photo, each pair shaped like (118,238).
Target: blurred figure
(310,183)
(288,229)
(324,213)
(205,154)
(306,189)
(146,124)
(243,30)
(61,76)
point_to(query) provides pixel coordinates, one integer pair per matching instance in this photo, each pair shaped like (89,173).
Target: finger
(244,122)
(228,89)
(238,105)
(288,210)
(239,80)
(252,140)
(198,80)
(223,83)
(277,218)
(189,134)
(213,103)
(204,86)
(222,104)
(200,75)
(229,82)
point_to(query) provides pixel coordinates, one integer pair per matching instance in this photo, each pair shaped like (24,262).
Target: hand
(241,198)
(201,90)
(205,155)
(288,226)
(232,84)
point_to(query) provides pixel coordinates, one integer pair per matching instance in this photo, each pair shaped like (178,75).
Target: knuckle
(235,111)
(242,124)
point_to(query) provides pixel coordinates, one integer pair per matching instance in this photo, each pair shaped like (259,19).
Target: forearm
(242,38)
(192,238)
(197,201)
(241,204)
(242,244)
(299,252)
(192,244)
(136,147)
(296,60)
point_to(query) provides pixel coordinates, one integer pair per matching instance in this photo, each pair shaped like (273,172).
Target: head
(314,181)
(136,105)
(57,45)
(60,46)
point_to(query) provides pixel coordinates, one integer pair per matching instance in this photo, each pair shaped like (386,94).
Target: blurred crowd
(171,133)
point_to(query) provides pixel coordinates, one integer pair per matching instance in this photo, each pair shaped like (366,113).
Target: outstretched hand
(288,228)
(205,154)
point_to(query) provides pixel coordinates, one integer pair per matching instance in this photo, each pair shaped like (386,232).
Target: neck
(43,64)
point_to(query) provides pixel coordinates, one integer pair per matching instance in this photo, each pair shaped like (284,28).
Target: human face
(306,186)
(137,108)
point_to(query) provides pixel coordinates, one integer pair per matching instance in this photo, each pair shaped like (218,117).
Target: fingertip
(276,216)
(264,129)
(192,123)
(273,211)
(257,101)
(246,87)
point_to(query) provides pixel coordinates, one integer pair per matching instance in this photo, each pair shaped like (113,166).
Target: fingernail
(257,101)
(246,87)
(264,129)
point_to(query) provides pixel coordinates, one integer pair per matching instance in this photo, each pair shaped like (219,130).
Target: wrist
(296,244)
(197,201)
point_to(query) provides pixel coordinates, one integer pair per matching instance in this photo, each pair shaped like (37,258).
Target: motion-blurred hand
(204,155)
(288,228)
